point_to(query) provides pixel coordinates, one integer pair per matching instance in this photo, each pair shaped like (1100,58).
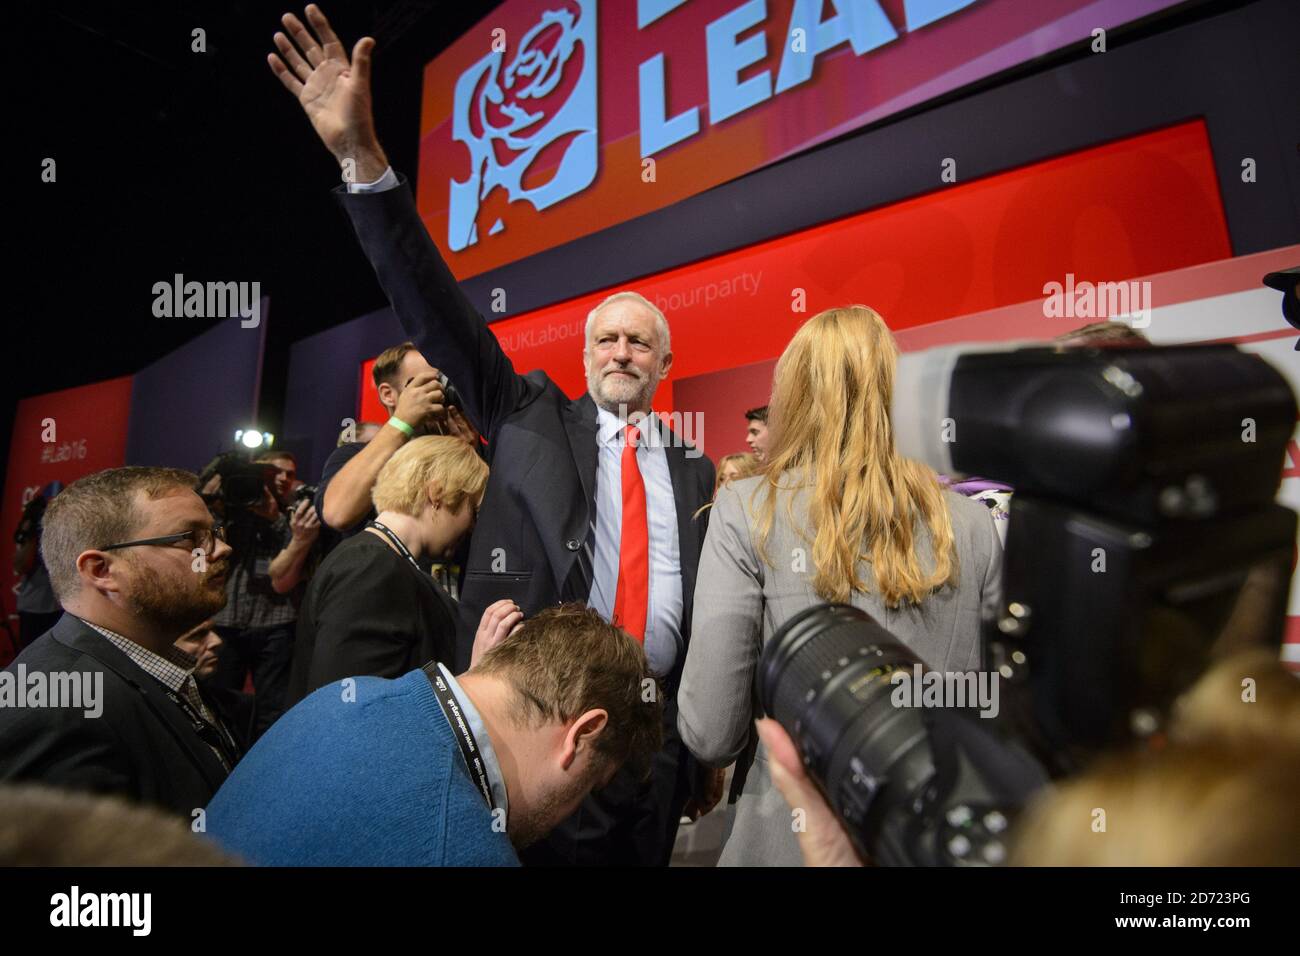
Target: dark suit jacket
(368,613)
(539,510)
(540,503)
(141,746)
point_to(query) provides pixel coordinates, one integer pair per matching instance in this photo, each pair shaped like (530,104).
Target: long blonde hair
(830,413)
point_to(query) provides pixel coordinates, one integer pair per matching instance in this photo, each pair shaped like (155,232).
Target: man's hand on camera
(499,621)
(304,523)
(333,91)
(420,404)
(822,840)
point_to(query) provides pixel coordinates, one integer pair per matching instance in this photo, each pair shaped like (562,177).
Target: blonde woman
(731,468)
(734,467)
(837,516)
(372,609)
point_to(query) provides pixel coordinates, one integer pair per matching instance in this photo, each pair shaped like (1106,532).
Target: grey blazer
(740,602)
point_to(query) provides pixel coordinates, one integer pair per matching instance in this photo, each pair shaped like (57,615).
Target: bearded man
(592,500)
(104,701)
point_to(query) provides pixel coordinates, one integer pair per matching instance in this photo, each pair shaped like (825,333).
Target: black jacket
(369,613)
(142,746)
(540,499)
(538,512)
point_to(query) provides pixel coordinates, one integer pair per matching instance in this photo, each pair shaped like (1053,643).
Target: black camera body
(914,785)
(450,396)
(243,482)
(303,493)
(1144,543)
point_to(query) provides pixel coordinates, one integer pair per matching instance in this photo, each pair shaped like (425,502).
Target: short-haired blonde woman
(371,609)
(837,515)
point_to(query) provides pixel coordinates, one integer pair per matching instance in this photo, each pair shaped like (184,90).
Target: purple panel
(186,406)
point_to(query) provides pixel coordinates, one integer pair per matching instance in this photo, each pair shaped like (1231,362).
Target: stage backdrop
(1143,209)
(59,436)
(554,119)
(1146,204)
(178,412)
(186,406)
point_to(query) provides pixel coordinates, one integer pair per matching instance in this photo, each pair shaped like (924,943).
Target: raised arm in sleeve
(434,312)
(715,700)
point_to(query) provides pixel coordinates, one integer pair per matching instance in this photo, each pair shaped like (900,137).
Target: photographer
(272,548)
(415,396)
(38,608)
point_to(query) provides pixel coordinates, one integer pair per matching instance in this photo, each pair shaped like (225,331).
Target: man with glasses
(273,551)
(104,701)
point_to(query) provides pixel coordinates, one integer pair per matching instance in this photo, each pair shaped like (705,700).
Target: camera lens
(825,677)
(911,784)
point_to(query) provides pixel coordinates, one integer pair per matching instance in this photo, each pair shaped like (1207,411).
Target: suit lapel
(580,424)
(690,529)
(683,498)
(73,633)
(575,580)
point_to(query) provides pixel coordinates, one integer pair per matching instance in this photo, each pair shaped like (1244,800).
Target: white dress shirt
(663,632)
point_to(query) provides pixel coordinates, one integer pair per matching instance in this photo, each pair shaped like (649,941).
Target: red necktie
(632,596)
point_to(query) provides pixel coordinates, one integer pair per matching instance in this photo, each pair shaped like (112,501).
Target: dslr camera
(1144,543)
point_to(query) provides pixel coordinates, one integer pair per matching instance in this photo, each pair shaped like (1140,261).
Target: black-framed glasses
(205,539)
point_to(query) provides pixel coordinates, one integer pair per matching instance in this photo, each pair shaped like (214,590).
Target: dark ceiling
(174,161)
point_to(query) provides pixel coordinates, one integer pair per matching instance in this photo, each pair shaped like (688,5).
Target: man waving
(590,500)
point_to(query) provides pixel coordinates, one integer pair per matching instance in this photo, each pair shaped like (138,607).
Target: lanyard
(214,735)
(402,549)
(460,729)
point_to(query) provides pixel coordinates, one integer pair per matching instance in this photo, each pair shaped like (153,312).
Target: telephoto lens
(914,786)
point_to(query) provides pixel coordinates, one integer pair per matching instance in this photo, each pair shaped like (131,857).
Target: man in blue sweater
(431,770)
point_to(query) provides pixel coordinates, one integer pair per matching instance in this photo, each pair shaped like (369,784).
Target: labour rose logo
(528,120)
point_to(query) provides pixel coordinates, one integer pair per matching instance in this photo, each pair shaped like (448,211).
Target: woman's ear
(433,491)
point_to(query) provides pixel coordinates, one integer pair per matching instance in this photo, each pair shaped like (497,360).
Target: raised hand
(304,523)
(333,92)
(458,426)
(499,621)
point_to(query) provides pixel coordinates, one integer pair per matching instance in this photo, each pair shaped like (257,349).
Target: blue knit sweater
(375,781)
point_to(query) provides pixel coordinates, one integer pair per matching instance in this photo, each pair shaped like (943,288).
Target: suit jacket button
(572,544)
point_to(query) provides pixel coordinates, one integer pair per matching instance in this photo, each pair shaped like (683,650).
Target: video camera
(1144,542)
(243,482)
